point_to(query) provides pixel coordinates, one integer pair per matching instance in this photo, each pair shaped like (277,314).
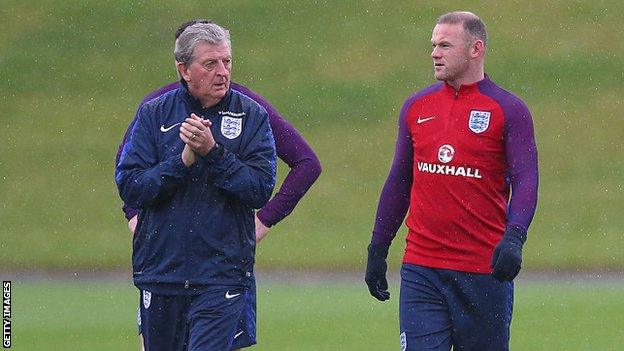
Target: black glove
(507,255)
(376,268)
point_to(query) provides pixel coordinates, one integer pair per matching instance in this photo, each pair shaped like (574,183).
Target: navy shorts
(219,319)
(440,309)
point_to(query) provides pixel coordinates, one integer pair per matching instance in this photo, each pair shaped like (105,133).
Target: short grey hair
(473,25)
(209,33)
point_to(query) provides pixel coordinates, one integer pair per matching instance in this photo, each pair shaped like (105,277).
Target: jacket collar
(196,106)
(465,89)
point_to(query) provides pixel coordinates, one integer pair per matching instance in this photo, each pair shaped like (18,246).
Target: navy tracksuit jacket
(196,225)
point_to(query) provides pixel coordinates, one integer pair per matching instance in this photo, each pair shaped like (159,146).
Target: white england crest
(147,299)
(403,341)
(231,127)
(479,121)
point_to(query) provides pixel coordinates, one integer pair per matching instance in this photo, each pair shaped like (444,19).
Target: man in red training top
(465,166)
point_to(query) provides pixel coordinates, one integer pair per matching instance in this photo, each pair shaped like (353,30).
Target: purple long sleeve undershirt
(521,154)
(395,196)
(290,146)
(520,151)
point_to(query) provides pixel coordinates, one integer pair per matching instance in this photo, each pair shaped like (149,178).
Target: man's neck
(476,75)
(209,104)
(206,102)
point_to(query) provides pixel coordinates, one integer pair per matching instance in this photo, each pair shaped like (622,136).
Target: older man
(290,146)
(198,161)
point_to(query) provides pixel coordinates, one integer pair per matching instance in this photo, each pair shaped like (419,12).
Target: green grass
(311,316)
(72,73)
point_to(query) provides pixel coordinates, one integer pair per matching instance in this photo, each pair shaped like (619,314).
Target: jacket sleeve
(128,211)
(248,177)
(142,179)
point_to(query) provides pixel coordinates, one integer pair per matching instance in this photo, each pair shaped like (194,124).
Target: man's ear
(477,49)
(183,71)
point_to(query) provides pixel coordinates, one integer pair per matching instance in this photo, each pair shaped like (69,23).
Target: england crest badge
(403,341)
(147,299)
(479,121)
(231,127)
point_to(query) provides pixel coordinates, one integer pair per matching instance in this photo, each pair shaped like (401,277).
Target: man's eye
(209,65)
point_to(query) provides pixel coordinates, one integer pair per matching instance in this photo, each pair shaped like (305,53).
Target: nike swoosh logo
(165,130)
(423,120)
(238,334)
(230,296)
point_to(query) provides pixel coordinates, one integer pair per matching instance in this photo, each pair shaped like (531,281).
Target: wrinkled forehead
(205,50)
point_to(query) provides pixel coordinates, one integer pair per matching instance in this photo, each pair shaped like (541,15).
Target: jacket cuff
(130,212)
(215,154)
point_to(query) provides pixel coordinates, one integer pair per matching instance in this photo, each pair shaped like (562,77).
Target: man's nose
(435,53)
(222,68)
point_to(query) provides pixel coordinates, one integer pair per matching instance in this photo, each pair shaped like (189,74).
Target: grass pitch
(74,71)
(311,316)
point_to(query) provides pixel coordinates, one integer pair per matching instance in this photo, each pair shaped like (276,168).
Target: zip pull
(186,284)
